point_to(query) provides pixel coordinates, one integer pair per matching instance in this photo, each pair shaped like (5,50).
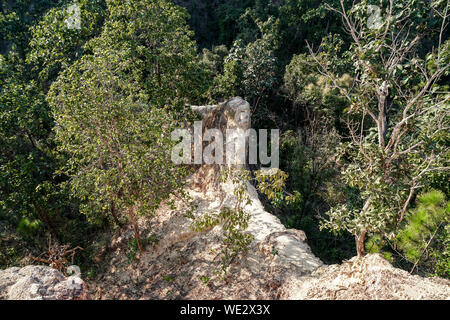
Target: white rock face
(40,283)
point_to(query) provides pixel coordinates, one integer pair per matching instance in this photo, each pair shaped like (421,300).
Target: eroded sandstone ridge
(267,230)
(185,264)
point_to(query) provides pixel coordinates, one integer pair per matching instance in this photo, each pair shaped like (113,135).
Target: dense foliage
(360,94)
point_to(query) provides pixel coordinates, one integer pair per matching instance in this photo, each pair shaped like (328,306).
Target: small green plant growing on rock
(234,220)
(204,279)
(168,278)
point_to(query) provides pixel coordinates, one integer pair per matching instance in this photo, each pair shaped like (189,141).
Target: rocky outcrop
(40,283)
(368,278)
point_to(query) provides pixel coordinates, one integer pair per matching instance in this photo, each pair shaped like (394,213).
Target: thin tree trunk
(360,243)
(382,121)
(137,234)
(425,249)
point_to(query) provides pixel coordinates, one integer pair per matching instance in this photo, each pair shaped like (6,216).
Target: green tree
(228,84)
(117,145)
(306,20)
(260,67)
(152,36)
(16,17)
(313,97)
(26,163)
(29,188)
(115,110)
(214,59)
